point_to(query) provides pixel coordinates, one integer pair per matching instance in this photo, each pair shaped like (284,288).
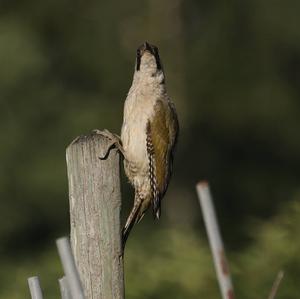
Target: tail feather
(134,217)
(156,208)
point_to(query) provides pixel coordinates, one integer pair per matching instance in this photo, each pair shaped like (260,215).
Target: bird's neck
(145,81)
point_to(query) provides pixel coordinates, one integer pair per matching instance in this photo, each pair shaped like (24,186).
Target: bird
(148,138)
(148,135)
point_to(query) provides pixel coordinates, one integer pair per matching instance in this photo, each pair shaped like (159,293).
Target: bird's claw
(110,147)
(115,142)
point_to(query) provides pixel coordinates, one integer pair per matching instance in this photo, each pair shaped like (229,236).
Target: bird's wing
(162,132)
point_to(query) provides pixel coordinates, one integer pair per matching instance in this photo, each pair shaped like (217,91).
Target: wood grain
(95,205)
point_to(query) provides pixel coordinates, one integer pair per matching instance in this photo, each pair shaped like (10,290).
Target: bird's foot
(115,142)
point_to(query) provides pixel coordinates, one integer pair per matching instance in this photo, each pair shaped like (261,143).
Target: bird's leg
(115,142)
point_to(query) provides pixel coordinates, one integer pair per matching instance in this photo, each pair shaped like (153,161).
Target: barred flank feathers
(153,183)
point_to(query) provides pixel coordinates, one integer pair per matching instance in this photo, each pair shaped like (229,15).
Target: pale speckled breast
(139,106)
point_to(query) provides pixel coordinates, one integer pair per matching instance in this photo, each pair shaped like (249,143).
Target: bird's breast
(137,112)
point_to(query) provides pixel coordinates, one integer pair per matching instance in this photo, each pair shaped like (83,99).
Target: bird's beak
(147,47)
(150,49)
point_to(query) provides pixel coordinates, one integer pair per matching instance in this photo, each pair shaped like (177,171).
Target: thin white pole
(69,266)
(64,288)
(215,240)
(276,284)
(35,288)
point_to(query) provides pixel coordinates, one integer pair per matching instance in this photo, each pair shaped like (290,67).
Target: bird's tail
(134,217)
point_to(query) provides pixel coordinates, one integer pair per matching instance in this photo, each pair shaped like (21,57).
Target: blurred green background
(233,72)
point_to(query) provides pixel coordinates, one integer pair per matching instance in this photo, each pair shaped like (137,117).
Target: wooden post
(95,205)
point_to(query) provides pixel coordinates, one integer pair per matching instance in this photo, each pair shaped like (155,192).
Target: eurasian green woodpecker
(149,133)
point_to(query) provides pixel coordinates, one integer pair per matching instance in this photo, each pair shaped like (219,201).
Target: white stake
(276,284)
(215,240)
(68,262)
(35,288)
(64,288)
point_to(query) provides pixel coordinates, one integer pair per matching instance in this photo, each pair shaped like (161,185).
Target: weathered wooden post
(95,205)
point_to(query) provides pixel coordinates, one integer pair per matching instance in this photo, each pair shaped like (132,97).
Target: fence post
(95,205)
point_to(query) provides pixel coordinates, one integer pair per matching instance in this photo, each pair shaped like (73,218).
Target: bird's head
(148,62)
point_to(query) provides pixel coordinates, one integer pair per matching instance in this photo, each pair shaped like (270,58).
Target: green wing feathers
(162,132)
